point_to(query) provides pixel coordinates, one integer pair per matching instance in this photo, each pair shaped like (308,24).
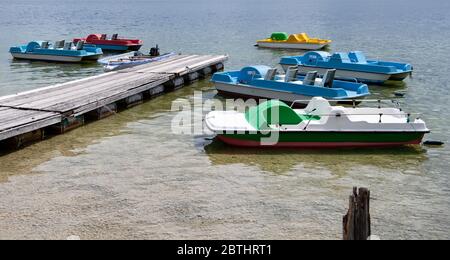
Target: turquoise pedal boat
(59,51)
(262,82)
(352,66)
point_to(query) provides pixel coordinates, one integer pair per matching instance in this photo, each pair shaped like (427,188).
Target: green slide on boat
(279,36)
(261,116)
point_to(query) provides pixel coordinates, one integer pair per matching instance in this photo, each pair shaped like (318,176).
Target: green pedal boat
(319,125)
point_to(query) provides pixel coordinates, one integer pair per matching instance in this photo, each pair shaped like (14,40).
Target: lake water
(128,177)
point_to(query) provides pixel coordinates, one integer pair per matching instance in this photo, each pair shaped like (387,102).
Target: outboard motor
(154,52)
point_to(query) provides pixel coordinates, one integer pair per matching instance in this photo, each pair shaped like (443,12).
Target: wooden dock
(31,115)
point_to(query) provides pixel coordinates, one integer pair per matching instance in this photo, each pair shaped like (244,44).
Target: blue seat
(291,74)
(270,75)
(328,78)
(310,78)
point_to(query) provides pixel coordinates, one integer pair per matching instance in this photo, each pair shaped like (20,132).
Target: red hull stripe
(247,143)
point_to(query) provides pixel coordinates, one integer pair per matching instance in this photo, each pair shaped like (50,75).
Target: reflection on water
(337,162)
(44,74)
(128,176)
(74,142)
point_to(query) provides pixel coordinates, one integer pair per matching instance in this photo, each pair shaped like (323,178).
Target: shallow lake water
(128,176)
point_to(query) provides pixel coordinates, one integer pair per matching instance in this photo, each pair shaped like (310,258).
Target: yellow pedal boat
(300,41)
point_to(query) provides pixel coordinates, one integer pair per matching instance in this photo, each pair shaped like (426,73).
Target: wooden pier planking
(66,101)
(32,110)
(27,97)
(52,96)
(15,122)
(189,66)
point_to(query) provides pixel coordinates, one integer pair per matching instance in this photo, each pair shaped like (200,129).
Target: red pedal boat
(113,44)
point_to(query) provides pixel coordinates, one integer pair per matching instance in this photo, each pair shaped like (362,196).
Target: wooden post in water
(357,221)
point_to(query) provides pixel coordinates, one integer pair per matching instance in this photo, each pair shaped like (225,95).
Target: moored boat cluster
(90,49)
(323,83)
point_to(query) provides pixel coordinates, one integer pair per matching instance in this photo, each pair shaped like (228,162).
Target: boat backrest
(340,57)
(59,44)
(44,45)
(115,36)
(270,75)
(291,74)
(80,45)
(103,37)
(357,57)
(310,78)
(318,106)
(303,36)
(328,78)
(67,46)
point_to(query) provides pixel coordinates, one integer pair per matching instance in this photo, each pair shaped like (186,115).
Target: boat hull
(120,48)
(311,139)
(39,57)
(400,76)
(55,58)
(248,92)
(114,67)
(111,65)
(293,46)
(348,75)
(92,57)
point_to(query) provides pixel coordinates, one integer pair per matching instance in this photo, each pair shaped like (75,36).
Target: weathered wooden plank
(76,83)
(88,98)
(68,101)
(81,96)
(15,116)
(178,62)
(26,122)
(50,89)
(102,83)
(113,98)
(166,63)
(63,92)
(184,67)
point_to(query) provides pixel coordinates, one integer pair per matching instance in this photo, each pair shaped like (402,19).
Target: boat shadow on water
(18,162)
(389,90)
(51,70)
(42,63)
(337,161)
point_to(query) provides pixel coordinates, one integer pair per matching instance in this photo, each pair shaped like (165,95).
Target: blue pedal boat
(352,66)
(59,51)
(262,82)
